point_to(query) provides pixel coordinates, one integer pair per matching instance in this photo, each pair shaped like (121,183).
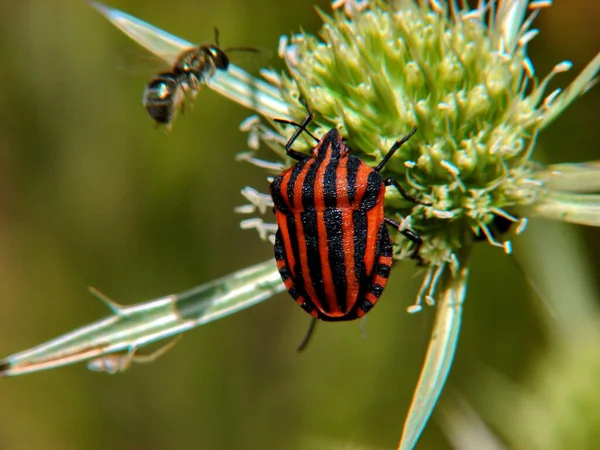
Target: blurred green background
(91,194)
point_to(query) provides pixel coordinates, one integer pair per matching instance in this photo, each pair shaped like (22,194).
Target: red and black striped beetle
(332,247)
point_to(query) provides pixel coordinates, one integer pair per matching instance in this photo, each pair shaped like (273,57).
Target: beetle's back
(330,217)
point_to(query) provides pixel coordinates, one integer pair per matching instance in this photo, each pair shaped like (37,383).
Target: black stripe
(297,270)
(308,186)
(384,242)
(308,307)
(294,292)
(285,273)
(292,181)
(352,165)
(311,236)
(366,305)
(277,196)
(383,270)
(350,316)
(335,246)
(279,251)
(360,241)
(369,199)
(329,144)
(377,290)
(329,183)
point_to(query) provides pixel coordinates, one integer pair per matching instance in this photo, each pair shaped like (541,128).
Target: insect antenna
(296,124)
(309,333)
(242,49)
(234,49)
(216,36)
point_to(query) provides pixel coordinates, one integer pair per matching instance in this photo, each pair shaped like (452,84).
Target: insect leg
(309,333)
(410,235)
(301,127)
(406,195)
(144,359)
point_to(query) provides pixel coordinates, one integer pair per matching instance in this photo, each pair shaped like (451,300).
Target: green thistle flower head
(387,69)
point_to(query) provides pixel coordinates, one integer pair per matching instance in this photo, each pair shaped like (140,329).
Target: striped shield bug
(332,246)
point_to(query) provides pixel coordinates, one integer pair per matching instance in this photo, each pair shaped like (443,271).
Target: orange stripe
(283,227)
(298,186)
(286,175)
(360,313)
(352,286)
(380,281)
(374,221)
(362,179)
(384,261)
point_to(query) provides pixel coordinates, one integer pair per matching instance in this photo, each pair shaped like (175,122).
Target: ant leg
(412,236)
(288,146)
(393,149)
(406,195)
(143,359)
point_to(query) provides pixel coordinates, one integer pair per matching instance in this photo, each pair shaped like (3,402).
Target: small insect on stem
(332,246)
(166,93)
(120,362)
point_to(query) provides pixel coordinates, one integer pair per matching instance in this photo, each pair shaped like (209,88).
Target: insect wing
(164,45)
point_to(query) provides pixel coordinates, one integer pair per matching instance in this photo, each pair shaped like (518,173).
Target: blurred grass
(91,194)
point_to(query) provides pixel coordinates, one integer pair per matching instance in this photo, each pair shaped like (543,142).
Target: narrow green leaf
(132,327)
(440,353)
(583,209)
(571,177)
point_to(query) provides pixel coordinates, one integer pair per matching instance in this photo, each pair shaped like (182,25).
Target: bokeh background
(91,194)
